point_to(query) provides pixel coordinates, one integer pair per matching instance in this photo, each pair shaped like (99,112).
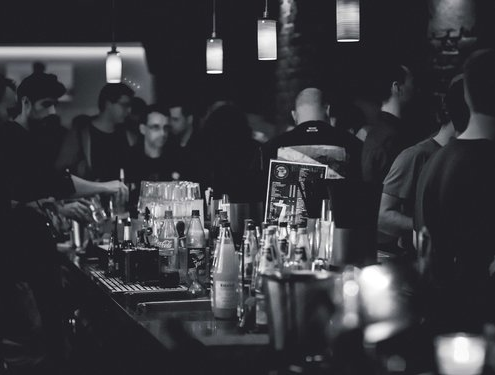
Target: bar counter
(152,329)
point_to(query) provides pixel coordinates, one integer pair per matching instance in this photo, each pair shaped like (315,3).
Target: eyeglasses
(157,127)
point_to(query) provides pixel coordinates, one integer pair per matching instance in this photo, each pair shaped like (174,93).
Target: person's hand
(77,210)
(117,187)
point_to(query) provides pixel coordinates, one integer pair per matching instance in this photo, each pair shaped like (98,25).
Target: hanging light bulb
(267,37)
(114,66)
(348,23)
(214,50)
(114,61)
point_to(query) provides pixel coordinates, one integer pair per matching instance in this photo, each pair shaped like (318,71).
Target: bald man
(313,140)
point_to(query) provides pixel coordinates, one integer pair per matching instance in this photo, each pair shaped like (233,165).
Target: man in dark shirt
(389,136)
(315,138)
(455,201)
(150,159)
(29,267)
(399,187)
(95,147)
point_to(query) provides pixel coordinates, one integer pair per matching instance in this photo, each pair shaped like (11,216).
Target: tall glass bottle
(168,245)
(283,240)
(197,258)
(267,262)
(291,248)
(302,252)
(261,241)
(224,296)
(250,249)
(113,252)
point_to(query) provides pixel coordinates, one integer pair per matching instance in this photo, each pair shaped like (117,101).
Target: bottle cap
(195,213)
(169,214)
(251,226)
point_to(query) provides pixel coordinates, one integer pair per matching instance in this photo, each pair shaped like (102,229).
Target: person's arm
(391,220)
(85,188)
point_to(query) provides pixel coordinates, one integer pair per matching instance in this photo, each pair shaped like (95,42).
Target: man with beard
(30,313)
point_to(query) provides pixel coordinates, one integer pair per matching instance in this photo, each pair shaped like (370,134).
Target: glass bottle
(261,241)
(283,240)
(289,261)
(267,262)
(168,245)
(302,252)
(113,252)
(250,249)
(150,232)
(196,248)
(128,258)
(224,296)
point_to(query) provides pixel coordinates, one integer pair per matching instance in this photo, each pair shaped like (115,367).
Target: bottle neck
(127,233)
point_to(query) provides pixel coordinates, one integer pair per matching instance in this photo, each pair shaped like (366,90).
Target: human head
(310,106)
(155,127)
(456,105)
(38,95)
(115,100)
(181,119)
(396,83)
(7,98)
(479,82)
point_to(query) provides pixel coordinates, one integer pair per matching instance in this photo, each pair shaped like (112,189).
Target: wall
(86,65)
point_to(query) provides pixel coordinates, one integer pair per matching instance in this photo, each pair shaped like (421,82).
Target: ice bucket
(299,307)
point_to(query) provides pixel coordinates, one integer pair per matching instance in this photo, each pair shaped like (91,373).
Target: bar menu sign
(286,184)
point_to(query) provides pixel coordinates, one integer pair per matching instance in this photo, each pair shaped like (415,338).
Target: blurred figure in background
(8,101)
(152,158)
(395,218)
(226,153)
(134,119)
(386,139)
(96,147)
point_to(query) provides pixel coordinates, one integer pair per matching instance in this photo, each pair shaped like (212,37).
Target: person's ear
(396,88)
(26,104)
(142,128)
(294,116)
(327,110)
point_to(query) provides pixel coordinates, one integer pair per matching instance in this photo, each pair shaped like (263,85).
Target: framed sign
(285,196)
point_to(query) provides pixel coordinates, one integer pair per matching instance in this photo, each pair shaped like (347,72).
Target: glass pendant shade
(267,39)
(214,56)
(114,67)
(348,23)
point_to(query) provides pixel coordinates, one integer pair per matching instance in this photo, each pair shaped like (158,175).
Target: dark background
(174,34)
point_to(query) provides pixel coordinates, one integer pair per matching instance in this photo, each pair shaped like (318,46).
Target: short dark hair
(4,83)
(456,104)
(479,81)
(387,75)
(112,92)
(156,108)
(185,107)
(40,85)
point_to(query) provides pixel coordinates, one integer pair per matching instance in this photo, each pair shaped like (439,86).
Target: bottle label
(261,318)
(197,259)
(167,246)
(225,294)
(300,254)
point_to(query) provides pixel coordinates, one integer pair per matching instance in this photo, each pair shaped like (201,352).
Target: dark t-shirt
(344,158)
(455,200)
(401,180)
(383,143)
(108,153)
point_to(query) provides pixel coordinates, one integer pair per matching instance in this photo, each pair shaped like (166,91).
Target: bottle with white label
(225,277)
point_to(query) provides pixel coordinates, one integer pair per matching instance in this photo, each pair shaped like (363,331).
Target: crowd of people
(439,190)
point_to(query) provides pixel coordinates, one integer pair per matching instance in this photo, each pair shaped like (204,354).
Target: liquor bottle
(168,245)
(267,262)
(196,248)
(225,276)
(283,240)
(302,252)
(113,252)
(326,239)
(150,232)
(250,249)
(261,242)
(289,262)
(128,262)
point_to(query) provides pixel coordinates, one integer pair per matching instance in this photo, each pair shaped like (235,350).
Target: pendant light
(348,23)
(267,37)
(214,50)
(114,61)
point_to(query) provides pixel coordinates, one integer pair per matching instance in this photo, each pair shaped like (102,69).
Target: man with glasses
(96,147)
(152,158)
